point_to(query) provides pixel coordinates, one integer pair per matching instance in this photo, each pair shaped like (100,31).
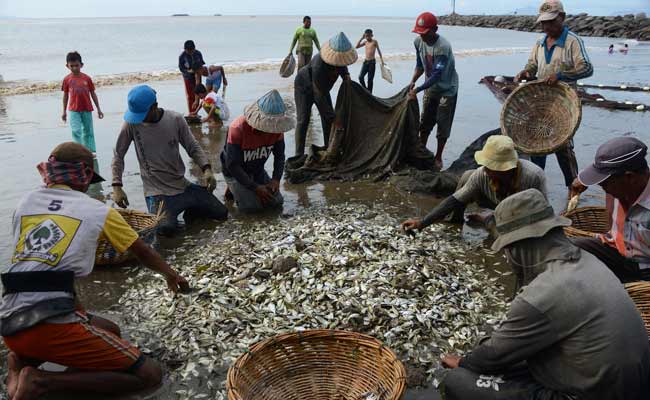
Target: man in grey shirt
(500,175)
(572,332)
(157,134)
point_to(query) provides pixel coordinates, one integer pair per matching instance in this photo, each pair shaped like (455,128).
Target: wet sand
(30,127)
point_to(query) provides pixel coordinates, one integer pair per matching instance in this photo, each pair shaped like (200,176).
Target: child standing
(369,63)
(77,89)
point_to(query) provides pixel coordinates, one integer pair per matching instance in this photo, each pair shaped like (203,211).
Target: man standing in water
(306,38)
(314,82)
(189,60)
(559,55)
(435,59)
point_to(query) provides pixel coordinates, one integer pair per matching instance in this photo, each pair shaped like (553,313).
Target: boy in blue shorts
(78,88)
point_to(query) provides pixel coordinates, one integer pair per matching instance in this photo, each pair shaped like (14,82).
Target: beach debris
(422,296)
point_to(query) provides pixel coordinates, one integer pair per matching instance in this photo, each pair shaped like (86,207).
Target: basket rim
(578,210)
(567,89)
(308,334)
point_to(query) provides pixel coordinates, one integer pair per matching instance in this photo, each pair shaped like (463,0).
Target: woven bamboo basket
(317,364)
(540,118)
(587,222)
(640,294)
(144,224)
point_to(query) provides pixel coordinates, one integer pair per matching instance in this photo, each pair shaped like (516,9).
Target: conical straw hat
(270,114)
(338,51)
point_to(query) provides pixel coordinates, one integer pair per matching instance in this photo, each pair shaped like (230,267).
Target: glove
(209,181)
(119,197)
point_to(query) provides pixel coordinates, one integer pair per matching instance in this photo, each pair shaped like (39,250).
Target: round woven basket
(640,294)
(587,222)
(144,224)
(317,364)
(540,118)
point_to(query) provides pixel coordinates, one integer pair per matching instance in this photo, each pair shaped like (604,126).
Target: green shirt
(304,38)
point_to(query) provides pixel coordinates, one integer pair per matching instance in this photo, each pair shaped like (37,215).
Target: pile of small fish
(338,267)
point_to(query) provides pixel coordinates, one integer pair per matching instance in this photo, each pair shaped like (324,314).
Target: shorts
(78,345)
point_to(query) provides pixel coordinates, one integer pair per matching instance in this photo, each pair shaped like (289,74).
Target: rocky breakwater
(627,26)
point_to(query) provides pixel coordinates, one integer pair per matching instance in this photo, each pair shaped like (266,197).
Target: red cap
(424,23)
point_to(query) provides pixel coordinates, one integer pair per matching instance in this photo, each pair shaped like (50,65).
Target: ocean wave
(11,88)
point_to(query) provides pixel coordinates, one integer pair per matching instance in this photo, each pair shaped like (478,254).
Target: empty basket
(587,222)
(143,223)
(640,294)
(540,118)
(317,364)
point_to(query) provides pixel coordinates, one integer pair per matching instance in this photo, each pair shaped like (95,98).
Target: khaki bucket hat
(549,10)
(524,215)
(498,154)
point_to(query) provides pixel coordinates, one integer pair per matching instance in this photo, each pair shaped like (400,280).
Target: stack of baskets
(587,222)
(319,364)
(144,224)
(541,118)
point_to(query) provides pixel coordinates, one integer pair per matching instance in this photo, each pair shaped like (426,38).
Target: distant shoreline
(628,26)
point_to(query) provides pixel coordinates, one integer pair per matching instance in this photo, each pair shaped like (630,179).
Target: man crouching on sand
(56,229)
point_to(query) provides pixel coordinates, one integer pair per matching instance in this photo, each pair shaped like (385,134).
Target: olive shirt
(306,38)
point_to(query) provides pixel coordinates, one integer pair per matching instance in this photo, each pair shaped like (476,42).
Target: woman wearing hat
(500,175)
(314,82)
(252,138)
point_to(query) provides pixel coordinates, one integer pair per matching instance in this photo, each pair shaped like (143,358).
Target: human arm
(223,76)
(530,70)
(438,213)
(210,113)
(64,115)
(436,74)
(295,40)
(381,57)
(181,65)
(122,145)
(153,261)
(525,333)
(316,42)
(582,67)
(100,114)
(191,146)
(359,44)
(278,163)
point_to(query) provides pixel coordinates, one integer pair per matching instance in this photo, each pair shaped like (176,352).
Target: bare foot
(29,385)
(15,365)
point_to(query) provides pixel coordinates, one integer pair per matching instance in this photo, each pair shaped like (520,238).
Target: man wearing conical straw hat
(500,175)
(314,82)
(252,139)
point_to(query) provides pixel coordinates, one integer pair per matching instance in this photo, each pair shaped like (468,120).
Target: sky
(398,8)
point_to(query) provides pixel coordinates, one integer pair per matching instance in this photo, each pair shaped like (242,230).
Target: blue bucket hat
(270,114)
(338,51)
(139,101)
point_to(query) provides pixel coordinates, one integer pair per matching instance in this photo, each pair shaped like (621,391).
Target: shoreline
(629,26)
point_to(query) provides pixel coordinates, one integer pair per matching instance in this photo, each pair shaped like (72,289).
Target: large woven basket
(540,118)
(144,224)
(587,222)
(319,365)
(640,294)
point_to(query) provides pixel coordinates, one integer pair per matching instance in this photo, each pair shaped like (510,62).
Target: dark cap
(615,157)
(74,152)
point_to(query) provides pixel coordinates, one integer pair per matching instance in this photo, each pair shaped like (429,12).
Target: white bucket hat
(338,51)
(498,154)
(524,215)
(271,114)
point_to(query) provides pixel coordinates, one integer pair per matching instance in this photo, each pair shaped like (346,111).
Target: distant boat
(180,15)
(218,15)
